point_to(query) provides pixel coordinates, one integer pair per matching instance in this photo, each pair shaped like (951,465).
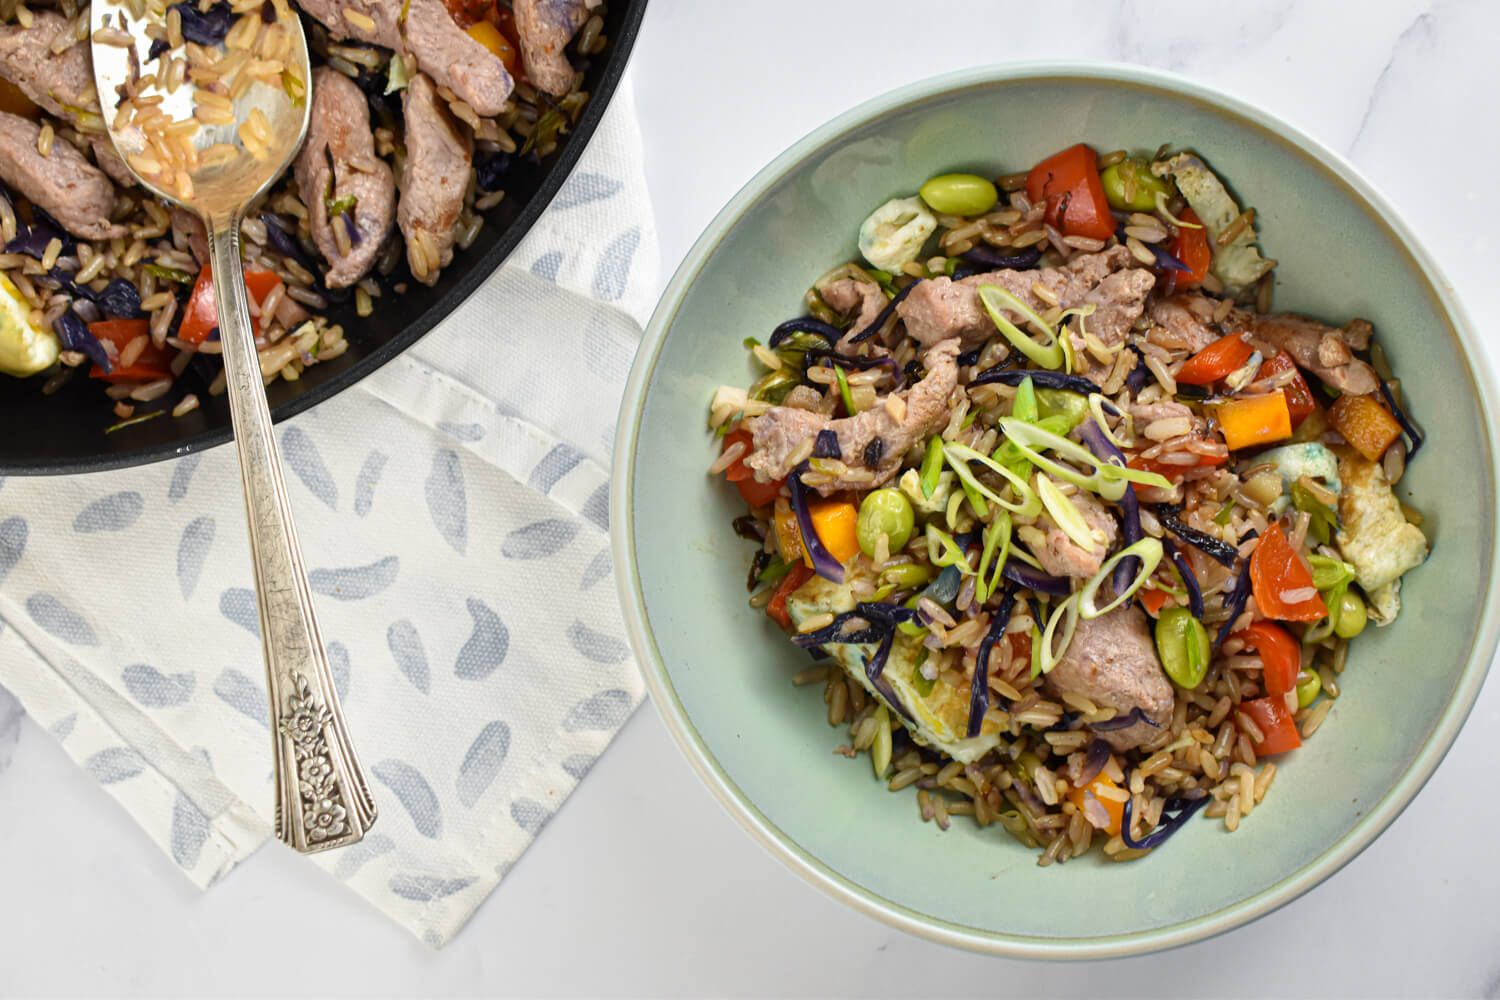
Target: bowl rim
(691,742)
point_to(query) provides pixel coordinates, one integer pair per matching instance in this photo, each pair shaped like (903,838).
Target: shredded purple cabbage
(1125,721)
(73,333)
(805,324)
(875,671)
(1093,762)
(1136,380)
(1040,377)
(1174,814)
(824,562)
(884,314)
(1189,578)
(994,260)
(355,236)
(878,618)
(1104,449)
(489,172)
(827,445)
(1023,575)
(979,687)
(1216,549)
(1405,421)
(205,27)
(32,240)
(281,234)
(1238,597)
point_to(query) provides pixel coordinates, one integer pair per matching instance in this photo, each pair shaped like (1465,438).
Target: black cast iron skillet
(65,432)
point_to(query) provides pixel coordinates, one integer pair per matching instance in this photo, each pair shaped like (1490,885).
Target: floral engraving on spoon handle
(322,798)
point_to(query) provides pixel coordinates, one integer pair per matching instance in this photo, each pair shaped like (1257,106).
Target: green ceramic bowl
(719,671)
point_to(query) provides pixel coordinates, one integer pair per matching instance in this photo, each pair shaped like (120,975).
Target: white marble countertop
(641,884)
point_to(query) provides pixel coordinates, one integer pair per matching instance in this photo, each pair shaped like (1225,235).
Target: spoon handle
(322,798)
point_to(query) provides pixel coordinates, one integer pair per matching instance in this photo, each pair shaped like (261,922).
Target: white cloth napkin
(453,514)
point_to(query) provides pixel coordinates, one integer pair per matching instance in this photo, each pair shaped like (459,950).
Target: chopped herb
(398,76)
(164,273)
(133,420)
(338,206)
(1225,513)
(750,343)
(844,393)
(1324,521)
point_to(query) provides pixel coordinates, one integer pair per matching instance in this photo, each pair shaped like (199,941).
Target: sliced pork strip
(1321,349)
(860,298)
(1112,662)
(874,440)
(439,154)
(546,27)
(445,52)
(71,189)
(338,161)
(60,83)
(940,308)
(1062,556)
(425,31)
(1188,318)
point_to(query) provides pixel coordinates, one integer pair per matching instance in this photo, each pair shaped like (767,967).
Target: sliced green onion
(750,343)
(955,504)
(1165,213)
(996,540)
(942,550)
(1024,407)
(775,570)
(1225,514)
(1036,652)
(1097,402)
(164,273)
(1111,474)
(932,466)
(1067,614)
(397,76)
(1065,513)
(995,299)
(1030,438)
(1323,521)
(881,593)
(959,455)
(923,684)
(338,206)
(912,628)
(1070,361)
(1147,550)
(133,421)
(844,393)
(1328,572)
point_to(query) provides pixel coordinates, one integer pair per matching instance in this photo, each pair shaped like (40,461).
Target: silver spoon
(322,797)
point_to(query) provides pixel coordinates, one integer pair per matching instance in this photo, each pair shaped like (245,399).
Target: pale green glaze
(719,671)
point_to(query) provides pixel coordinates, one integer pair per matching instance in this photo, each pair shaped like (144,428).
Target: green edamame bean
(886,512)
(1352,616)
(1309,685)
(1073,407)
(1142,186)
(907,576)
(1182,644)
(960,194)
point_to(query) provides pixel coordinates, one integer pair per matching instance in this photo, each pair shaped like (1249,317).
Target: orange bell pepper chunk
(1251,421)
(1114,808)
(1365,424)
(1281,581)
(836,522)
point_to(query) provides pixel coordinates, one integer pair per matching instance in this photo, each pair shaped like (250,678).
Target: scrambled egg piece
(1376,537)
(1238,265)
(24,350)
(895,233)
(942,714)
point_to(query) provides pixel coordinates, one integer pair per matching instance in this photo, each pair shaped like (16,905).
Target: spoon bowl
(210,129)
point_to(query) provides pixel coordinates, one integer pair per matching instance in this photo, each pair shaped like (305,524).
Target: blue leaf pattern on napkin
(182,476)
(482,762)
(411,658)
(557,463)
(367,480)
(529,814)
(244,696)
(114,764)
(60,620)
(154,689)
(414,794)
(487,644)
(613,272)
(238,605)
(189,831)
(424,888)
(338,665)
(353,857)
(13,532)
(115,512)
(596,646)
(539,540)
(197,539)
(605,710)
(446,500)
(354,583)
(584,187)
(547,265)
(304,459)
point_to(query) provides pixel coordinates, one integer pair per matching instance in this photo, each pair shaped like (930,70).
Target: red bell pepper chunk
(1218,360)
(795,577)
(1299,398)
(201,316)
(1069,183)
(153,363)
(1190,246)
(1154,600)
(1280,655)
(1270,715)
(754,492)
(1282,582)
